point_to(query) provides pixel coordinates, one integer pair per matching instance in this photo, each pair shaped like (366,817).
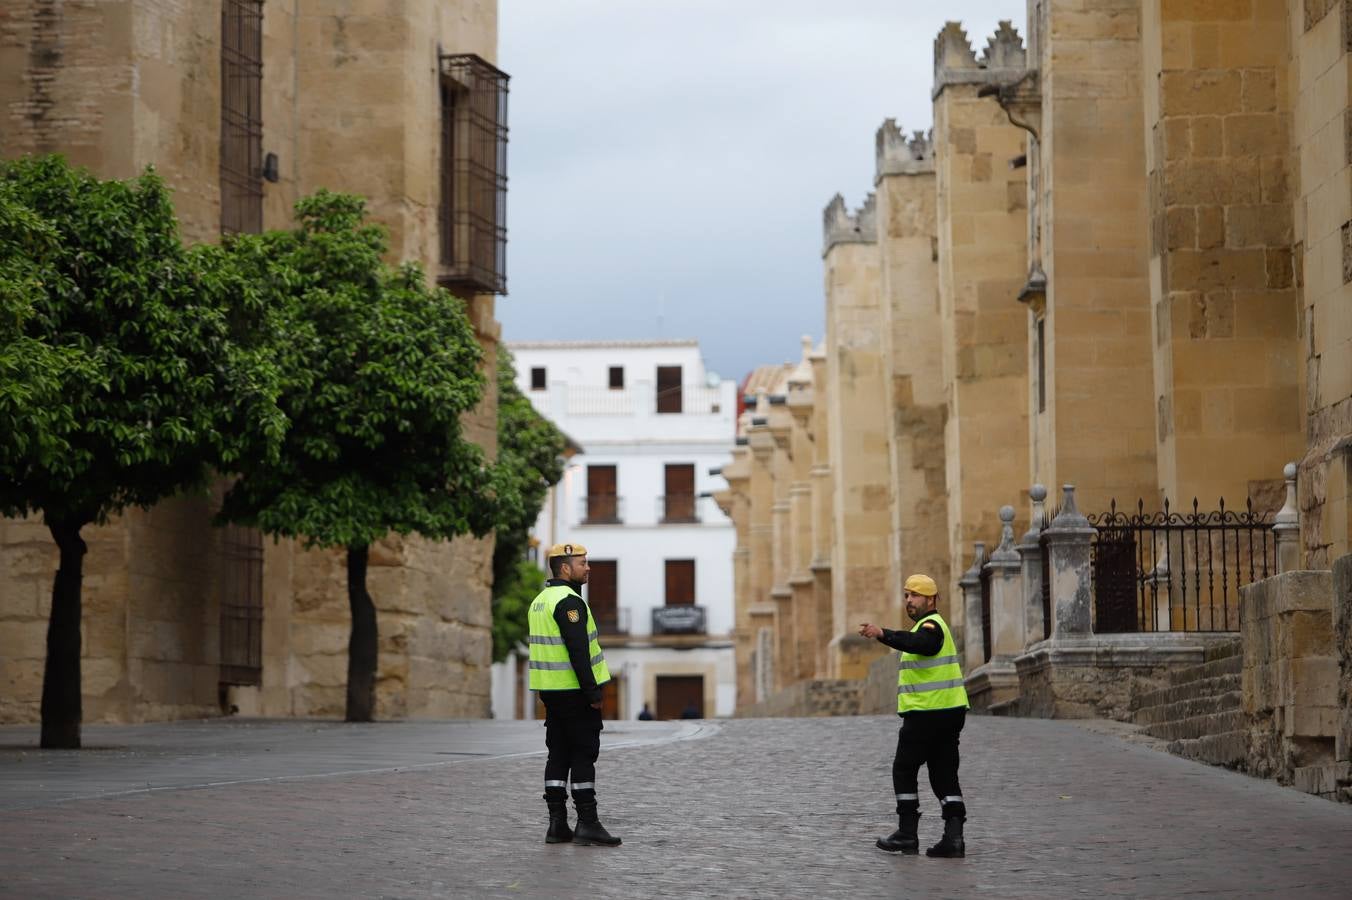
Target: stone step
(1207,687)
(1198,726)
(1228,665)
(1202,705)
(1221,651)
(1230,748)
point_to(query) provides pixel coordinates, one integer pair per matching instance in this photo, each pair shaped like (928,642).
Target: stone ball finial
(1037,493)
(1289,470)
(1006,514)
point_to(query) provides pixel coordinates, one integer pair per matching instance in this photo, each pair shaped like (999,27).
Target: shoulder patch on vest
(929,625)
(574,616)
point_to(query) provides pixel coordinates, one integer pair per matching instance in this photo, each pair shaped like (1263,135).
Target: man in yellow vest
(932,703)
(568,668)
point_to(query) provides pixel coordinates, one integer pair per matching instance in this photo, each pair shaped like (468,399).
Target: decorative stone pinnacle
(1003,61)
(1037,493)
(972,576)
(1006,553)
(1069,518)
(839,226)
(895,154)
(762,402)
(1289,514)
(801,376)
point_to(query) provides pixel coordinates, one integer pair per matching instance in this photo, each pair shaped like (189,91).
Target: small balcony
(602,509)
(678,509)
(682,619)
(611,621)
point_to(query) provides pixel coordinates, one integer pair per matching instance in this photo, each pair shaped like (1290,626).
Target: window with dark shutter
(678,502)
(602,500)
(602,594)
(617,378)
(537,378)
(680,582)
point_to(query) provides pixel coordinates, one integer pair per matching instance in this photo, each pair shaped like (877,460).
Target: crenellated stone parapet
(1004,60)
(840,226)
(897,154)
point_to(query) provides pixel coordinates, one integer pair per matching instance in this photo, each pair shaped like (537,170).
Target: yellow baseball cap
(566,550)
(922,584)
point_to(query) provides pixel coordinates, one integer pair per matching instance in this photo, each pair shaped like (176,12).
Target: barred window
(473,214)
(241,116)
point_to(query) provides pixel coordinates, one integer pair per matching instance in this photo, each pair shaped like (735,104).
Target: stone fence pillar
(1286,526)
(1068,539)
(1030,559)
(970,583)
(1007,614)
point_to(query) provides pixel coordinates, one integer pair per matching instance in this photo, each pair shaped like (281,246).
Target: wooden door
(602,501)
(680,582)
(679,505)
(668,389)
(680,695)
(602,594)
(610,699)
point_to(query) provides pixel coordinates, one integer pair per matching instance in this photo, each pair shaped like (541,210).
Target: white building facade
(654,426)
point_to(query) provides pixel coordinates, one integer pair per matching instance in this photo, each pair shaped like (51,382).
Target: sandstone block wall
(1224,285)
(1319,86)
(117,86)
(1290,674)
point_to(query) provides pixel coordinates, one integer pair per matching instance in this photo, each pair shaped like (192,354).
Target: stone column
(1030,558)
(1007,614)
(970,585)
(1068,539)
(1286,526)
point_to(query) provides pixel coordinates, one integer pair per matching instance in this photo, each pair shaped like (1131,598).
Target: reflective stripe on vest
(550,668)
(931,682)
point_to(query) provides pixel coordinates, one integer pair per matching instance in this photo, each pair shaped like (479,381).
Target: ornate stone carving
(1004,60)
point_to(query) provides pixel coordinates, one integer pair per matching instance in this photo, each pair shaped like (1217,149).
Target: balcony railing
(679,620)
(615,621)
(602,509)
(678,509)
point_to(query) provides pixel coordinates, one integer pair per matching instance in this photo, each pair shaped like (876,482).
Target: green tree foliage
(530,460)
(378,370)
(120,378)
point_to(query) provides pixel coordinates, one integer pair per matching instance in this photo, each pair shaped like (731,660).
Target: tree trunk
(61,677)
(361,645)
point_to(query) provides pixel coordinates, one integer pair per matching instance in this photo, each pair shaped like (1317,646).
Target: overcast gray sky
(669,159)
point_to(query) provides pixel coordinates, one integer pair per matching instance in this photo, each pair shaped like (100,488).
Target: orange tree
(125,373)
(377,371)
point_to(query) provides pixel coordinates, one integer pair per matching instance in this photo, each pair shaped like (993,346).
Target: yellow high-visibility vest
(550,668)
(931,682)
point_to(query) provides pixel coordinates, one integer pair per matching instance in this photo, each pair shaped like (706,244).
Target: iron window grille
(241,116)
(473,214)
(242,607)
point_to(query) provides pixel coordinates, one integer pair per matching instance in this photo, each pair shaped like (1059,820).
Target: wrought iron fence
(242,606)
(611,621)
(675,509)
(1172,571)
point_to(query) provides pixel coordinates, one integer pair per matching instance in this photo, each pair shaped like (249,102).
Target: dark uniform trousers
(573,738)
(929,738)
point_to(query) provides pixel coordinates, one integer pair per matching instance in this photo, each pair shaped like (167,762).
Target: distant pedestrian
(932,703)
(568,668)
(691,711)
(646,715)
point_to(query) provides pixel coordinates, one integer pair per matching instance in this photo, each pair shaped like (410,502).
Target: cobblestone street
(741,808)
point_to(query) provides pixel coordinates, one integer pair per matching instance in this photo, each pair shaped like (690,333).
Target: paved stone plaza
(742,808)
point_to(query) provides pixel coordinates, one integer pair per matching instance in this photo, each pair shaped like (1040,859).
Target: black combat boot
(559,832)
(590,832)
(951,845)
(903,840)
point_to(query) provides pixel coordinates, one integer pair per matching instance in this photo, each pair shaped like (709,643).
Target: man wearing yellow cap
(932,703)
(568,668)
